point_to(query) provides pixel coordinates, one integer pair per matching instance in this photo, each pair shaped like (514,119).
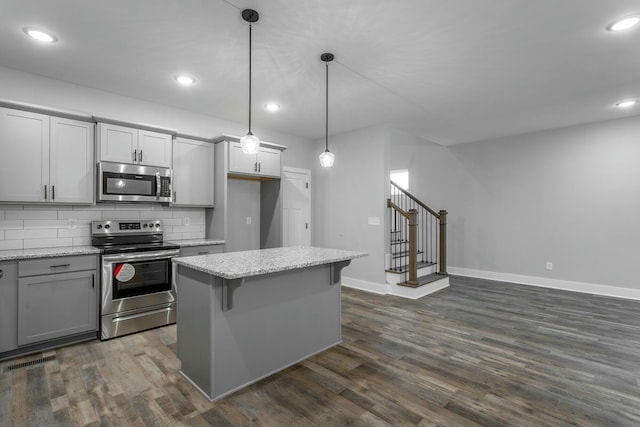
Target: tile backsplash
(31,226)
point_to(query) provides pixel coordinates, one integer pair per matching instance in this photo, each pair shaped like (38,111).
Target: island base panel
(276,320)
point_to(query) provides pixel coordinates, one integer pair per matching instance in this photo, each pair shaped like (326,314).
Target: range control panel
(123,226)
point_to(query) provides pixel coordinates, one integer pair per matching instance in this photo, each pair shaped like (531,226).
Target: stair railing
(418,234)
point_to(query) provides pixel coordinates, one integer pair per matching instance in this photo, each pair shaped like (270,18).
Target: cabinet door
(240,162)
(269,161)
(117,143)
(192,172)
(154,148)
(56,305)
(8,306)
(72,161)
(24,156)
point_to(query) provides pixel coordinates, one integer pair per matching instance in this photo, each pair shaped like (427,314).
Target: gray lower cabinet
(8,306)
(201,250)
(59,304)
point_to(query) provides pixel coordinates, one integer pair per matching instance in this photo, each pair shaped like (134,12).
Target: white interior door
(296,207)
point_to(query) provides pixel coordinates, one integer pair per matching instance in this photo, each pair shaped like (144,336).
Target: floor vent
(30,363)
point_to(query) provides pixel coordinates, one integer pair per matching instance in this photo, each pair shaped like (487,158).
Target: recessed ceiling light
(40,35)
(272,106)
(624,23)
(626,104)
(185,80)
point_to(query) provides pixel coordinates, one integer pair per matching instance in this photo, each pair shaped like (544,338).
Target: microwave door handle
(157,184)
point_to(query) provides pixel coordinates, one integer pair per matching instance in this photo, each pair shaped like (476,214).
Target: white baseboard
(543,282)
(401,291)
(422,291)
(363,285)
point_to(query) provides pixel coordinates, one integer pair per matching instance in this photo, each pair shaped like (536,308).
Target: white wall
(570,196)
(346,194)
(24,87)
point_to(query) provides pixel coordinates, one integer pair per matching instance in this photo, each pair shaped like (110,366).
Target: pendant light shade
(327,157)
(250,143)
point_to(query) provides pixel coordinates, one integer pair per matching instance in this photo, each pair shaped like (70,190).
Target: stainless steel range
(136,278)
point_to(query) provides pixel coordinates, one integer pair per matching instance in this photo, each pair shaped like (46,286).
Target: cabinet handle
(93,281)
(1,274)
(135,155)
(60,265)
(203,253)
(255,167)
(259,166)
(53,192)
(141,156)
(45,192)
(175,193)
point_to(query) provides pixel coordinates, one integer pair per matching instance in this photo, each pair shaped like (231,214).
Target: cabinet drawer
(201,250)
(65,264)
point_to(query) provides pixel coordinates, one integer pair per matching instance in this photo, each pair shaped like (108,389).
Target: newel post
(443,242)
(413,247)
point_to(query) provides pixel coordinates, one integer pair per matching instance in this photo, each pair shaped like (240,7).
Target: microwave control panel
(165,186)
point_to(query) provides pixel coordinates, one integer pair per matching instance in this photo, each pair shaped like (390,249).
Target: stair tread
(402,254)
(404,268)
(425,280)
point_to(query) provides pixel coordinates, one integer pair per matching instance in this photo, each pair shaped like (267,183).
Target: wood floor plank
(478,353)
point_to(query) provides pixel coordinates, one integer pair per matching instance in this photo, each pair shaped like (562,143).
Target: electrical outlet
(72,224)
(248,220)
(549,265)
(186,221)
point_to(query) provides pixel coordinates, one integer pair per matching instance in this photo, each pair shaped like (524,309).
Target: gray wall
(346,194)
(243,200)
(570,196)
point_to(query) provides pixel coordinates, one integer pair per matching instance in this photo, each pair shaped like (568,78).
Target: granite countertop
(196,242)
(236,265)
(20,254)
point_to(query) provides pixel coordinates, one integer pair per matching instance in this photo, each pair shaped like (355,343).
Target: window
(401,178)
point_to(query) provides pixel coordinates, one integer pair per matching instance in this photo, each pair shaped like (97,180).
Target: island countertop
(236,265)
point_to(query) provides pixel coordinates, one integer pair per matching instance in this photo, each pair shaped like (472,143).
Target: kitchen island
(246,315)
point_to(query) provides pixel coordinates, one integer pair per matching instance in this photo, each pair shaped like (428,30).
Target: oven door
(136,280)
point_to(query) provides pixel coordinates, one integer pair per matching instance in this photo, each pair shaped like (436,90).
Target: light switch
(373,220)
(72,224)
(248,220)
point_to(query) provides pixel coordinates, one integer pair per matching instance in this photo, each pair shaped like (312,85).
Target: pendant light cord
(326,122)
(249,78)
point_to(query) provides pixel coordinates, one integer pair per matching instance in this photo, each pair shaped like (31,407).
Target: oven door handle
(146,313)
(141,256)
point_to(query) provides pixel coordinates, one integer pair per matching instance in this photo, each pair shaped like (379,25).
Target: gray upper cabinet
(193,172)
(45,159)
(122,144)
(266,163)
(71,160)
(56,305)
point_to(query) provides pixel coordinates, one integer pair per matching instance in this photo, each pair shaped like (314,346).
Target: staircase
(417,244)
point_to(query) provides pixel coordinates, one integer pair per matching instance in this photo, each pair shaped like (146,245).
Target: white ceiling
(450,71)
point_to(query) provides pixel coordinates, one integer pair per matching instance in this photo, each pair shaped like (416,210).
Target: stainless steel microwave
(133,183)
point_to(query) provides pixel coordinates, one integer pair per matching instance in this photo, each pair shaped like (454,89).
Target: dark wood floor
(477,353)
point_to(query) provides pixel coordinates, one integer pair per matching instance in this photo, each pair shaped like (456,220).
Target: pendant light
(250,143)
(327,157)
